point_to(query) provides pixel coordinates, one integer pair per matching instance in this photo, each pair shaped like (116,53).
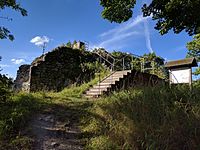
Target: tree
(5,86)
(194,47)
(4,32)
(69,44)
(194,50)
(177,15)
(154,64)
(117,10)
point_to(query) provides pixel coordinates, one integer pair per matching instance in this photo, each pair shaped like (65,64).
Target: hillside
(141,118)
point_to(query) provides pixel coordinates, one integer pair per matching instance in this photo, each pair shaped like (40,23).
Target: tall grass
(147,118)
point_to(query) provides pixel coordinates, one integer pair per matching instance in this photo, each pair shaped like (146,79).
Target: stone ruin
(55,70)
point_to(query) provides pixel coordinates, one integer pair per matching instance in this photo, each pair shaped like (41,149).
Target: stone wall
(22,80)
(56,70)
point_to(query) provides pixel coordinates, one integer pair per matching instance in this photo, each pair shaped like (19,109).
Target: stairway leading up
(106,84)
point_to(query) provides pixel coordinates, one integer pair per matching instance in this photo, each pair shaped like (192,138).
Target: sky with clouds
(52,23)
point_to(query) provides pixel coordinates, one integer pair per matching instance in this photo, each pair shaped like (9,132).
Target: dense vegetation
(194,50)
(146,118)
(140,118)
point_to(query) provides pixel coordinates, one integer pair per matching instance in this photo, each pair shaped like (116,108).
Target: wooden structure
(180,71)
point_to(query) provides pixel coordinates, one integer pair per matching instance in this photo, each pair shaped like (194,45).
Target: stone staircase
(107,83)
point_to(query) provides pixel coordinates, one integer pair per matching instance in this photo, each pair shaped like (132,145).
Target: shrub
(5,88)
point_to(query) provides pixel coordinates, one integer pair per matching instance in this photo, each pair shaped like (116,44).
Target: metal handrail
(103,58)
(111,64)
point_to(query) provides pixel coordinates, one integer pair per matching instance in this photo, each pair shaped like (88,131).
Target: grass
(139,118)
(15,114)
(148,118)
(19,108)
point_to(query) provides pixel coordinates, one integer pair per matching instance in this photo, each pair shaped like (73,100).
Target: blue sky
(66,20)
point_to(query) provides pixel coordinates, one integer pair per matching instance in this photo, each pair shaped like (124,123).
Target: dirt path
(57,128)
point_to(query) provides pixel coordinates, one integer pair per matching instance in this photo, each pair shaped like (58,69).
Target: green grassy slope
(148,118)
(142,118)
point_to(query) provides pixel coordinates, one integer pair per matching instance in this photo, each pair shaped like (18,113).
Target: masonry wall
(22,81)
(56,70)
(61,68)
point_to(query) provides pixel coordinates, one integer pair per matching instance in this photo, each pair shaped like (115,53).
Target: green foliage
(153,57)
(101,143)
(149,118)
(117,10)
(194,50)
(197,71)
(4,32)
(15,114)
(194,47)
(69,44)
(5,88)
(119,56)
(154,64)
(164,12)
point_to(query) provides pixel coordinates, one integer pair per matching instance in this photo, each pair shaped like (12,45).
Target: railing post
(123,63)
(113,65)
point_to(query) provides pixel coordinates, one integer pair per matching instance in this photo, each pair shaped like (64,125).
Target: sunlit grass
(146,118)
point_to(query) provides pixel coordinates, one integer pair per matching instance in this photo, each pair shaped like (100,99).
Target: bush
(5,88)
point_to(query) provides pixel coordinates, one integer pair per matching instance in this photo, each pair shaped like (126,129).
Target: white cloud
(147,36)
(40,41)
(17,61)
(4,66)
(118,36)
(125,26)
(114,39)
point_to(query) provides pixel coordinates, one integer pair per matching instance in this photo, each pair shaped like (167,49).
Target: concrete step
(110,80)
(113,77)
(102,86)
(91,96)
(122,72)
(98,89)
(125,71)
(94,93)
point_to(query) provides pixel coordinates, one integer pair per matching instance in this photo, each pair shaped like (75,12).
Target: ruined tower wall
(56,70)
(60,68)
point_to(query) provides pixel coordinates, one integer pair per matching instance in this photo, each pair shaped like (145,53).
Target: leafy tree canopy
(177,15)
(117,10)
(194,50)
(4,32)
(194,47)
(153,57)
